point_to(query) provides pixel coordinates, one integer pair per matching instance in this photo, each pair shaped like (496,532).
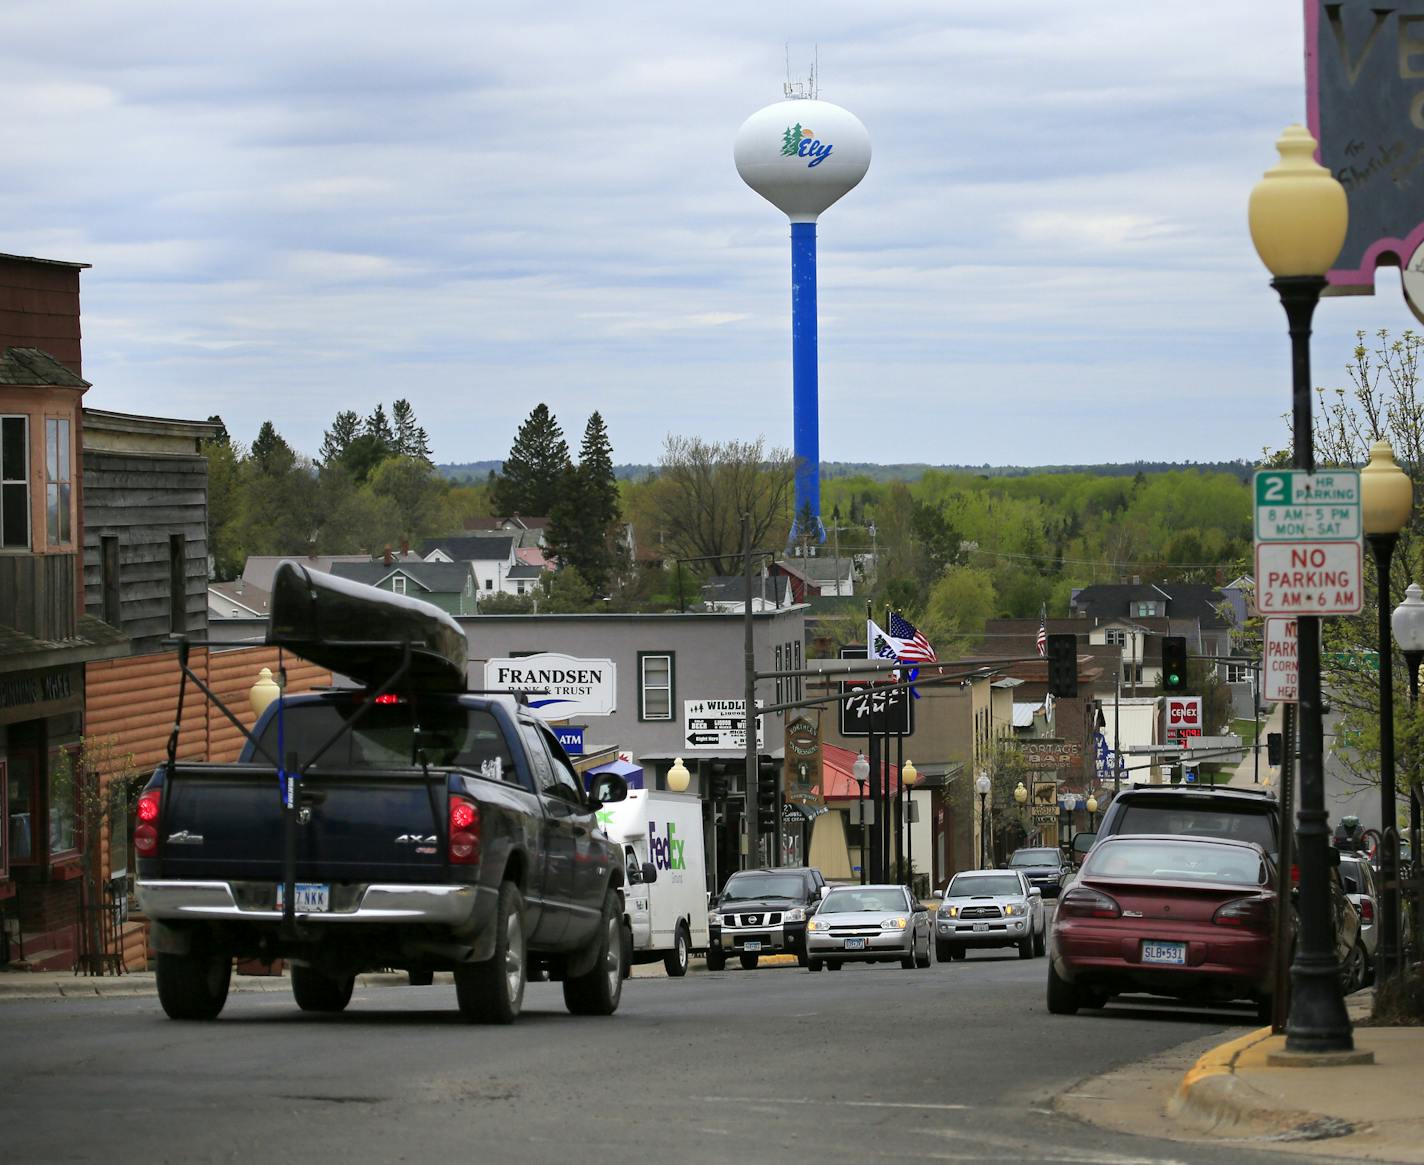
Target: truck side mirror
(650,873)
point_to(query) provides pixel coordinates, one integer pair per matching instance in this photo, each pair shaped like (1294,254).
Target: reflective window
(14,483)
(58,484)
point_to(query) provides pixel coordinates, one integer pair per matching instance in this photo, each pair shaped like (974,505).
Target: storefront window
(20,810)
(4,833)
(62,803)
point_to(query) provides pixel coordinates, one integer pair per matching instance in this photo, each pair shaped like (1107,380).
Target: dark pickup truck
(407,827)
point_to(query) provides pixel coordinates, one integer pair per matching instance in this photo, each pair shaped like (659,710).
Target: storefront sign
(36,694)
(801,773)
(559,686)
(1051,753)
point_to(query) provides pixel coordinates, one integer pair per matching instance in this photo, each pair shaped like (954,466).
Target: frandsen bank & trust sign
(559,686)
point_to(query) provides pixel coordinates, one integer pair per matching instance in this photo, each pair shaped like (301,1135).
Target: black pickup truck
(408,825)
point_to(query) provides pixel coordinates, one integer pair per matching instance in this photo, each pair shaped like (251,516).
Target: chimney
(405,547)
(311,548)
(388,559)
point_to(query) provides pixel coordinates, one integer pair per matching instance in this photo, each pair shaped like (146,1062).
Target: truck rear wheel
(315,991)
(675,961)
(599,989)
(193,986)
(493,991)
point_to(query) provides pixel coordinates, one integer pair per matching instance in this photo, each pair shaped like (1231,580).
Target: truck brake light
(145,837)
(464,846)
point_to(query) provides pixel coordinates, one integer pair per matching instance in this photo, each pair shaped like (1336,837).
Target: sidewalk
(1231,1093)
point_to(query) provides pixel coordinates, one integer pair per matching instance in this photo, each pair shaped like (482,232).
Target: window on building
(58,482)
(489,584)
(1239,673)
(14,483)
(398,584)
(519,587)
(64,781)
(780,685)
(1146,609)
(4,833)
(1132,673)
(109,579)
(796,666)
(177,584)
(655,672)
(1115,637)
(22,816)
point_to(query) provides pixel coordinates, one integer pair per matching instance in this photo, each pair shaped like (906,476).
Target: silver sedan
(868,924)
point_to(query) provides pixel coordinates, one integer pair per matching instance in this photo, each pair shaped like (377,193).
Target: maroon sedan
(1188,917)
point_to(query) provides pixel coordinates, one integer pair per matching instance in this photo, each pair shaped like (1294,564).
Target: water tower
(801,155)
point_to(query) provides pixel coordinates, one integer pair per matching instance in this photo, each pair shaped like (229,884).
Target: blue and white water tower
(801,155)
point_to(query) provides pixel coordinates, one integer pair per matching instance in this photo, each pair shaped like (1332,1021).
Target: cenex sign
(560,687)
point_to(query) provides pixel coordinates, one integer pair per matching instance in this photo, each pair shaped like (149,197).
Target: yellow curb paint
(1221,1060)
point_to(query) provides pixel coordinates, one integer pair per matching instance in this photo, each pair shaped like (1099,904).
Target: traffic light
(1174,663)
(1062,654)
(766,800)
(1275,748)
(718,787)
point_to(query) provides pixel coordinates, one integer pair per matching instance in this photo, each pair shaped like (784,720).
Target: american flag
(1043,630)
(914,647)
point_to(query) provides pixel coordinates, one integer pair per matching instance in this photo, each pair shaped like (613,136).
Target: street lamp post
(860,773)
(908,776)
(678,777)
(1298,215)
(1092,813)
(263,692)
(1409,634)
(1386,496)
(1021,799)
(981,786)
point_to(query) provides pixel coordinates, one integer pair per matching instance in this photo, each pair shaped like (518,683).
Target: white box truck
(665,899)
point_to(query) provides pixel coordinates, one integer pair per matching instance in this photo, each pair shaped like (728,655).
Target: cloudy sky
(294,207)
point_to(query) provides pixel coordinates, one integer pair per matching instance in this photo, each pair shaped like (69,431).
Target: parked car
(1044,867)
(1357,876)
(868,924)
(1186,917)
(989,908)
(763,912)
(1242,814)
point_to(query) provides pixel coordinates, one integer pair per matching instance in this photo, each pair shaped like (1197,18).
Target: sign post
(1309,542)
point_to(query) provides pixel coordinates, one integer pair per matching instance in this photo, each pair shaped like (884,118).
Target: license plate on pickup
(855,944)
(751,946)
(1160,952)
(981,926)
(311,897)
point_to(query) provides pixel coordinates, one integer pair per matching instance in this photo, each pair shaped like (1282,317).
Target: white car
(869,924)
(989,908)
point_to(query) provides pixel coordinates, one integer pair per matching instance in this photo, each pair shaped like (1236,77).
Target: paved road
(956,1063)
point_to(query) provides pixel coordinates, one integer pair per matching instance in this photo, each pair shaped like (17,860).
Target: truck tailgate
(226,822)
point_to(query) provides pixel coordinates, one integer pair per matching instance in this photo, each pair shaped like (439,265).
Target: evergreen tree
(379,427)
(411,439)
(534,470)
(583,522)
(270,453)
(221,437)
(337,439)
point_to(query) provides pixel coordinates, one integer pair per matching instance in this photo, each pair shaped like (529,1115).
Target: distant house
(531,529)
(237,600)
(728,593)
(492,559)
(814,578)
(448,585)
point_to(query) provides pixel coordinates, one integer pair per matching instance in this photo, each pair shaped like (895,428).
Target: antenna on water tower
(801,155)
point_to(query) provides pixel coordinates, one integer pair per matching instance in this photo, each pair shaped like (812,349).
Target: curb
(1212,1098)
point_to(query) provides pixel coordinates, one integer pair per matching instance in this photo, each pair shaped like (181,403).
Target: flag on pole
(912,647)
(1043,629)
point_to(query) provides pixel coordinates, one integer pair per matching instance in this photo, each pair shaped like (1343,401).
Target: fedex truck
(665,896)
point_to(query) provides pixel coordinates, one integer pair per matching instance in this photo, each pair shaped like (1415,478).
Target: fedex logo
(665,851)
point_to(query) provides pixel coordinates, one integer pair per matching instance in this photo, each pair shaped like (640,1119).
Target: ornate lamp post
(1021,799)
(263,692)
(1387,496)
(1409,634)
(981,786)
(1092,813)
(1298,216)
(908,776)
(860,773)
(678,777)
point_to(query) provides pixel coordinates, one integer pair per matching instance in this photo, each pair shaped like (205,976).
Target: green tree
(379,427)
(270,452)
(583,522)
(958,606)
(410,440)
(415,489)
(337,439)
(534,470)
(567,593)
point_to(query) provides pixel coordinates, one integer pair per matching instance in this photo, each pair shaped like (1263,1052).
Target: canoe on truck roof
(360,631)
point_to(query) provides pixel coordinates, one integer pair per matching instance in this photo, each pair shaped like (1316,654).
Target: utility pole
(749,814)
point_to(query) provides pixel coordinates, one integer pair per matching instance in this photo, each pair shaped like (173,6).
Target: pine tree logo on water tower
(798,142)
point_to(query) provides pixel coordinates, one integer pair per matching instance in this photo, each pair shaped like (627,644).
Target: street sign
(1310,578)
(1281,665)
(1295,506)
(718,725)
(1309,545)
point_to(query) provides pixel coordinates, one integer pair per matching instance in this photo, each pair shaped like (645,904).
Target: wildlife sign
(1309,544)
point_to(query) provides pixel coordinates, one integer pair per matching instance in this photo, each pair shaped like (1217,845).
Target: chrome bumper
(179,901)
